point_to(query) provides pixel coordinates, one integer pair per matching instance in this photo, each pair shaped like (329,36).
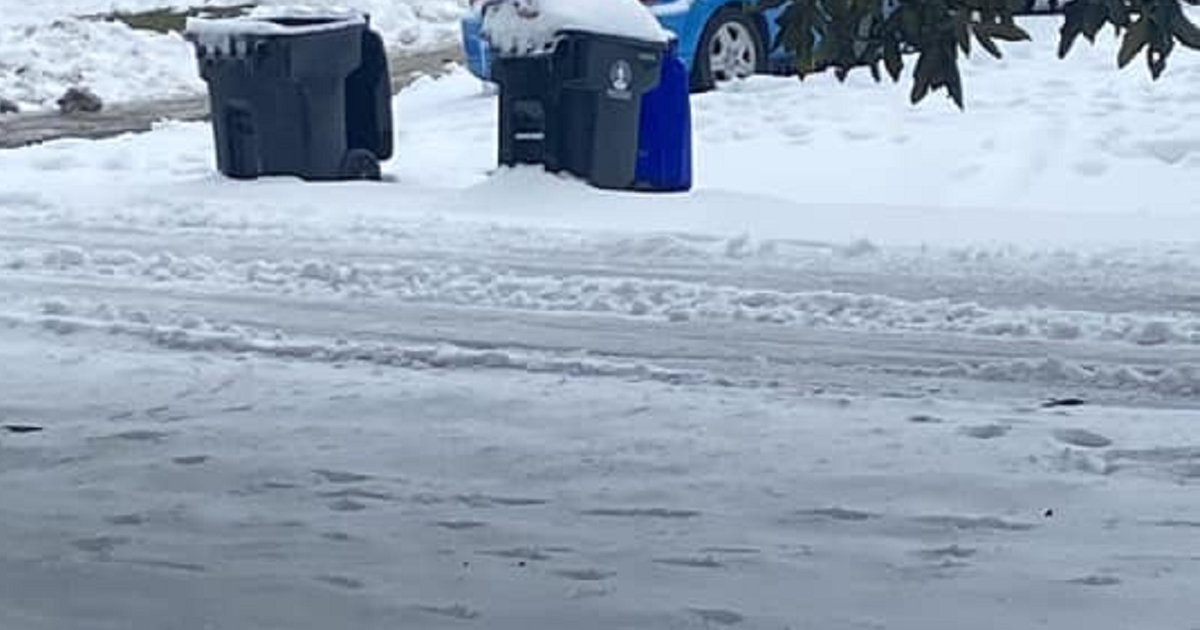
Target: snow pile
(40,61)
(1039,134)
(531,26)
(46,48)
(406,24)
(46,10)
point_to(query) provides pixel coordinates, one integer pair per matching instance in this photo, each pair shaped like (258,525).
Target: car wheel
(731,47)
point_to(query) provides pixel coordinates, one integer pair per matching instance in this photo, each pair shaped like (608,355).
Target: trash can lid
(271,21)
(523,27)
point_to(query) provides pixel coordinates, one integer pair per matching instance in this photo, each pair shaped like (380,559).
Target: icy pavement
(461,397)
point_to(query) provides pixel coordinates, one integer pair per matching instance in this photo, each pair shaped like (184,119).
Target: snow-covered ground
(811,393)
(46,46)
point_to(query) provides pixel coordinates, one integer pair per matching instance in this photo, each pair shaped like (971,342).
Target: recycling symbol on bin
(620,75)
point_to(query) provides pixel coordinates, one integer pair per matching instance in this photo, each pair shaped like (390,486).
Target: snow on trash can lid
(522,27)
(222,34)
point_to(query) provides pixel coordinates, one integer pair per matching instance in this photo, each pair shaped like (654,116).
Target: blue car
(718,39)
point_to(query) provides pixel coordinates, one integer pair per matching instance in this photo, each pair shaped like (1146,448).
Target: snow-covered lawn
(46,48)
(809,394)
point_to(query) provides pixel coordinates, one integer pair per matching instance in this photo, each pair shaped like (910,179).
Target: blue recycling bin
(664,162)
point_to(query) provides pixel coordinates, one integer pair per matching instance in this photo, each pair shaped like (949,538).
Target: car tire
(732,46)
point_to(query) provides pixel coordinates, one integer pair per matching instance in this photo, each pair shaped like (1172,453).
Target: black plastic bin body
(578,108)
(310,99)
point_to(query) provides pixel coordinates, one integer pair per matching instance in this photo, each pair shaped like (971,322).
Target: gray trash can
(308,95)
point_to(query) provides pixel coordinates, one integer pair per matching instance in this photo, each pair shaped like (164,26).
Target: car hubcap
(732,53)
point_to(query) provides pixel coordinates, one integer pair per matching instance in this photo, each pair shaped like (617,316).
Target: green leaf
(1118,13)
(1157,63)
(910,23)
(892,60)
(1067,36)
(988,45)
(1008,32)
(1186,32)
(920,90)
(954,82)
(1136,38)
(924,75)
(1093,20)
(1072,28)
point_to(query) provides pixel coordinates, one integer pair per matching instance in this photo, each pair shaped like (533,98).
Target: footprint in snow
(1177,523)
(838,514)
(731,550)
(188,567)
(973,523)
(457,611)
(357,493)
(706,562)
(102,545)
(585,575)
(528,554)
(21,429)
(1082,438)
(718,616)
(953,552)
(460,525)
(280,485)
(341,581)
(1096,580)
(126,520)
(986,431)
(664,513)
(339,476)
(483,501)
(1090,168)
(347,505)
(1063,402)
(858,135)
(141,436)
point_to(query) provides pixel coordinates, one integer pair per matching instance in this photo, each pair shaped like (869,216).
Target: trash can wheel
(361,164)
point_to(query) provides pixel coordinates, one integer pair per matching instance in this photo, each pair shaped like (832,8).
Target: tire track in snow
(481,284)
(747,355)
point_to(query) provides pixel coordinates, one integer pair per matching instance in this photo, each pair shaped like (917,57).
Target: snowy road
(808,319)
(460,398)
(192,489)
(307,422)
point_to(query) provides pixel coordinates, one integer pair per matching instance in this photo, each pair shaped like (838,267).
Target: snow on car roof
(532,26)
